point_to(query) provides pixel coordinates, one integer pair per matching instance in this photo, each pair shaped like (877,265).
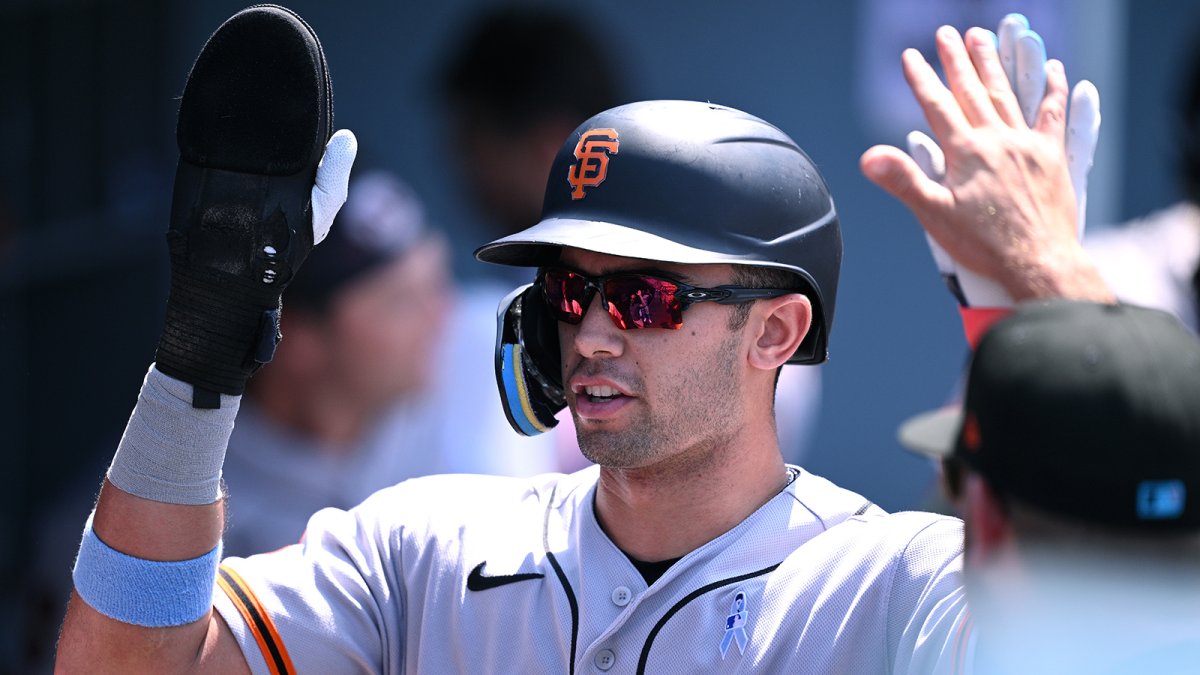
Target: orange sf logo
(971,437)
(592,151)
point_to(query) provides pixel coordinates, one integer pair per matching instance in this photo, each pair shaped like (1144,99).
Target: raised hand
(258,183)
(1004,206)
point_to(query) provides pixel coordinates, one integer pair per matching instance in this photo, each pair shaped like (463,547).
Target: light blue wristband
(143,592)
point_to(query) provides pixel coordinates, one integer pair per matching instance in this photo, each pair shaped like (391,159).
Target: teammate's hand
(1004,208)
(1022,55)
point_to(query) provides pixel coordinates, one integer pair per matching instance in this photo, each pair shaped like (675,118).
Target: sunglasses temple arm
(739,295)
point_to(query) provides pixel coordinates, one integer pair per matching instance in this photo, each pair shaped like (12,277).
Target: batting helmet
(683,182)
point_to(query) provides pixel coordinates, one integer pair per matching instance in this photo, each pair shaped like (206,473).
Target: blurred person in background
(1155,260)
(371,386)
(1075,463)
(346,409)
(520,80)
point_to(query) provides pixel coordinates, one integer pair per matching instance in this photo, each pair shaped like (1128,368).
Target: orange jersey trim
(259,622)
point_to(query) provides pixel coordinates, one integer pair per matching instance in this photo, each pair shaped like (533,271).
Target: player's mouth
(601,393)
(598,401)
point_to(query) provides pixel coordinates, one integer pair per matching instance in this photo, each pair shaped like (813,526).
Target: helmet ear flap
(528,361)
(814,349)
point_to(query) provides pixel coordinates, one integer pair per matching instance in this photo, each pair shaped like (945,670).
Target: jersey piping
(641,667)
(258,621)
(562,578)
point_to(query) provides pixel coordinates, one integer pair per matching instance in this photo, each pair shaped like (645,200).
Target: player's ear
(780,325)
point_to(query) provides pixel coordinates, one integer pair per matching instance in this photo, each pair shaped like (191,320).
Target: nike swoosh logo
(477,582)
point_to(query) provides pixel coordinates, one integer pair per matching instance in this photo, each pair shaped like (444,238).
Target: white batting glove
(1023,56)
(332,181)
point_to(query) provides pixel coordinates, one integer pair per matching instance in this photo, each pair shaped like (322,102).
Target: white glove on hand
(333,177)
(1023,55)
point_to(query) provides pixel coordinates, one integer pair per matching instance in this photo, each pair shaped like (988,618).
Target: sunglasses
(637,300)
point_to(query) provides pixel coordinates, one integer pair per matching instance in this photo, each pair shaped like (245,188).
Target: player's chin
(612,449)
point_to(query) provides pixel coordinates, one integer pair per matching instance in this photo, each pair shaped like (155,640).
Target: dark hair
(753,276)
(522,65)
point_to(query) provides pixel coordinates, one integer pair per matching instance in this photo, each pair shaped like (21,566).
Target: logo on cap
(971,438)
(592,151)
(1160,499)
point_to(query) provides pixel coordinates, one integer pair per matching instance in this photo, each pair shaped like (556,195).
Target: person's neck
(669,509)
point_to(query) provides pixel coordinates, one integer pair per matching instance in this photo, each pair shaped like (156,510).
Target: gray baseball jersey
(484,574)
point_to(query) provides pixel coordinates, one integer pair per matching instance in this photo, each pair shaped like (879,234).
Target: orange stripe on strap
(259,622)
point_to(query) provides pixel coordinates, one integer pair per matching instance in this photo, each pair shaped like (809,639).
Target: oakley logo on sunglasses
(637,300)
(592,151)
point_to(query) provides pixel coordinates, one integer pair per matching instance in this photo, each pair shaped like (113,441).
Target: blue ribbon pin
(735,626)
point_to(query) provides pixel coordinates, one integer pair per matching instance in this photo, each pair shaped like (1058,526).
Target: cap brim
(932,433)
(540,245)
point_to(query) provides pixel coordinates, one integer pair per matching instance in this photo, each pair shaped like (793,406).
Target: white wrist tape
(172,452)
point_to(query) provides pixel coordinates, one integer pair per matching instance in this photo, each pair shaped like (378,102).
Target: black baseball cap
(1084,410)
(383,218)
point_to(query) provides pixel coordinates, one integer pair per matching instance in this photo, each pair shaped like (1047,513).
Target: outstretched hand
(1005,207)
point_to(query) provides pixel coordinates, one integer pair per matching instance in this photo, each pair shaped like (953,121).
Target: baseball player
(690,547)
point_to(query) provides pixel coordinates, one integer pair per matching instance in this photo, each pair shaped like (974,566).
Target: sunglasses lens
(636,301)
(565,294)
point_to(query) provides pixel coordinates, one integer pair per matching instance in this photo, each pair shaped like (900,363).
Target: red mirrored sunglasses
(637,300)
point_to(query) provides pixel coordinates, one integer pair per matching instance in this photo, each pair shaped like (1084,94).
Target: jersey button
(605,659)
(621,596)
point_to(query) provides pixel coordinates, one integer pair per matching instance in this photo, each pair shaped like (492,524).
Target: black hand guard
(253,122)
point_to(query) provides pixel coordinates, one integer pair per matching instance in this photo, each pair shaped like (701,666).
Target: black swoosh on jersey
(477,582)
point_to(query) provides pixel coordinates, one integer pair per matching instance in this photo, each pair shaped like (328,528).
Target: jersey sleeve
(332,603)
(929,628)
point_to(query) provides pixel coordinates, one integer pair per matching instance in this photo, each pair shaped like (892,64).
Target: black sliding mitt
(249,202)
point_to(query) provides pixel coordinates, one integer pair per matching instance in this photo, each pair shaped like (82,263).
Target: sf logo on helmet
(592,151)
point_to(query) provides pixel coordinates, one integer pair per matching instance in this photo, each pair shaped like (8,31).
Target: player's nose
(597,335)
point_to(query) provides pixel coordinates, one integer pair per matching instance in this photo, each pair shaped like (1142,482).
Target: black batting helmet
(685,182)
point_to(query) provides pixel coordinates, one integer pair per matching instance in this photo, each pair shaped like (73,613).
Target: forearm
(152,530)
(171,452)
(94,643)
(1067,272)
(1072,275)
(102,646)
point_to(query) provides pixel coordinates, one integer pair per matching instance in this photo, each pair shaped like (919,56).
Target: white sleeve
(330,604)
(928,624)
